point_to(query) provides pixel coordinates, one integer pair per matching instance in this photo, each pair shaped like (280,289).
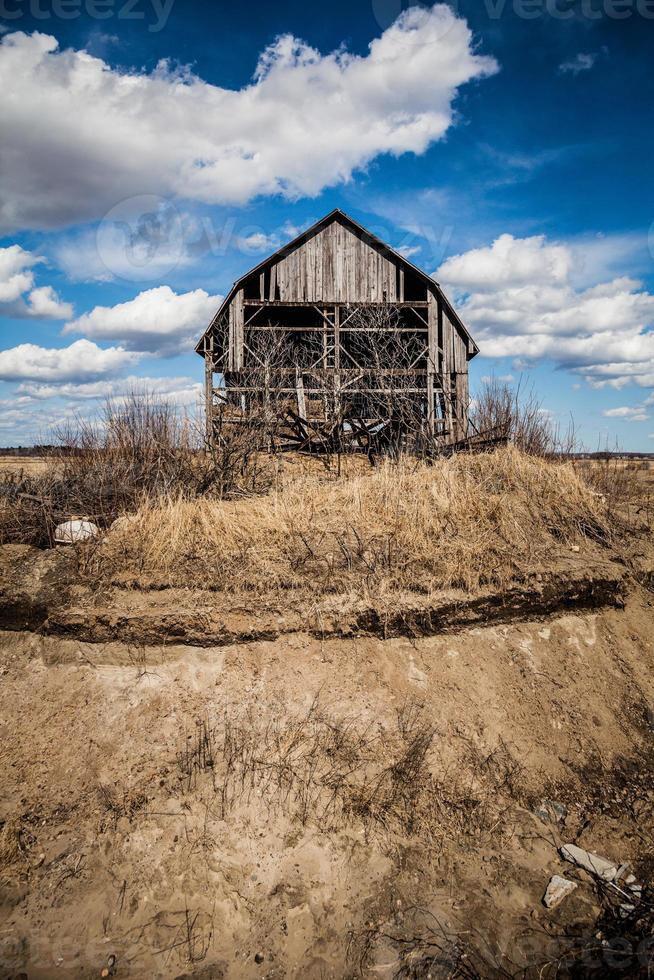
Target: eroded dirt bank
(308,807)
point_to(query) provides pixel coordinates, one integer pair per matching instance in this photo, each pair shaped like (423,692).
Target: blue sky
(154,150)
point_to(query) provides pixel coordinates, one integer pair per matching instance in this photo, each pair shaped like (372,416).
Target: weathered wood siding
(334,266)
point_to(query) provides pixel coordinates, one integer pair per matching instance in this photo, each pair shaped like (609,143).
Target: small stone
(557,889)
(258,958)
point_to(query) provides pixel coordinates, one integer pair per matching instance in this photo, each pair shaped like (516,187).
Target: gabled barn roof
(360,232)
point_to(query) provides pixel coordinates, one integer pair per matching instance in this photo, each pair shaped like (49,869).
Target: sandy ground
(306,808)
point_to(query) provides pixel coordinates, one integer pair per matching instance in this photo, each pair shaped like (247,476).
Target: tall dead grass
(464,522)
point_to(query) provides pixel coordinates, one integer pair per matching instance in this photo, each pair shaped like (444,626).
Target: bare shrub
(139,445)
(138,448)
(501,411)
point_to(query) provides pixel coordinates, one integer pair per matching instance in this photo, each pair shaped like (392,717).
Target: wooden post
(208,389)
(432,358)
(239,330)
(301,400)
(337,361)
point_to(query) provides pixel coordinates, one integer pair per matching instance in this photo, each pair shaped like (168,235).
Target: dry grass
(465,522)
(24,466)
(620,481)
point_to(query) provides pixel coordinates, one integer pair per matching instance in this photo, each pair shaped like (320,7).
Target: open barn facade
(339,329)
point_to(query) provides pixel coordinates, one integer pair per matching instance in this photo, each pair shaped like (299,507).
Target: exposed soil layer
(44,591)
(316,805)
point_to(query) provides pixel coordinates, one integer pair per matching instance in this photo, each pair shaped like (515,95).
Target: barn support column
(337,362)
(239,330)
(432,359)
(301,400)
(208,387)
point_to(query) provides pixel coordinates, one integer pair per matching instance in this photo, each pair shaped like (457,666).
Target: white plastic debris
(593,863)
(70,532)
(557,889)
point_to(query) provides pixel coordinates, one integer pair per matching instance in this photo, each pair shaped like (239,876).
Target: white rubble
(557,889)
(599,866)
(70,532)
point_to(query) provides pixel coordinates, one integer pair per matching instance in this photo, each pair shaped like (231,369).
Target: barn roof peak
(337,214)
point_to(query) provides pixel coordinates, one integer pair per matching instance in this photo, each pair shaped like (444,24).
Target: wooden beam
(418,304)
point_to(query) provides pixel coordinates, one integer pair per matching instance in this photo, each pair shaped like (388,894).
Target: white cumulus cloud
(634,413)
(79,135)
(81,361)
(519,298)
(157,320)
(18,296)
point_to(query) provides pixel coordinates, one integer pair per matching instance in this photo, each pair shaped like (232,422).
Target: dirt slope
(309,807)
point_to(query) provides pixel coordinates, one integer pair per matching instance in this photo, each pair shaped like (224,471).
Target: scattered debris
(550,811)
(593,863)
(110,968)
(557,889)
(70,532)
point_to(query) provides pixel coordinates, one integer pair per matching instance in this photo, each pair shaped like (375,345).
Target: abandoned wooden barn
(339,330)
